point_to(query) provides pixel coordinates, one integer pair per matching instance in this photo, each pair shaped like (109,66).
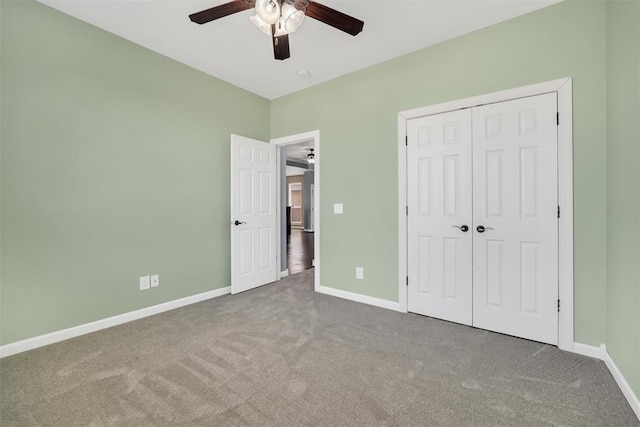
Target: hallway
(299,251)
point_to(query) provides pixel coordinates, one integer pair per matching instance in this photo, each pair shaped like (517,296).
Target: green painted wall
(357,117)
(623,115)
(115,164)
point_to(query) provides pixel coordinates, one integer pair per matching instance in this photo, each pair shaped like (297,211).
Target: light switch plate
(155,280)
(145,283)
(338,208)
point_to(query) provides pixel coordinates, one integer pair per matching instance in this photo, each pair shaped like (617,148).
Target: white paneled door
(515,181)
(253,213)
(492,171)
(439,216)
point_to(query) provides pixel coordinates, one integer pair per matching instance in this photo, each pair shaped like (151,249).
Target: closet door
(515,227)
(439,216)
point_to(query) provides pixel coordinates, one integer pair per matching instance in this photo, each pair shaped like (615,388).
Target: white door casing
(312,208)
(295,202)
(314,136)
(253,206)
(564,89)
(515,197)
(514,233)
(439,216)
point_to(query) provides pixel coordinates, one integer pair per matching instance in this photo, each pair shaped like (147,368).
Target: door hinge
(558,306)
(558,211)
(558,119)
(407,280)
(406,140)
(407,210)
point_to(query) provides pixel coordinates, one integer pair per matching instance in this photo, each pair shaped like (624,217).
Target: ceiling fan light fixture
(311,158)
(262,26)
(268,11)
(291,17)
(280,30)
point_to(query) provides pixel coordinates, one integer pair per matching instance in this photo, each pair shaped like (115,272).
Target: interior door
(439,216)
(515,235)
(253,213)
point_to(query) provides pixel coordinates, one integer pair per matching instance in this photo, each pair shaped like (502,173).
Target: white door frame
(289,197)
(312,209)
(314,136)
(563,87)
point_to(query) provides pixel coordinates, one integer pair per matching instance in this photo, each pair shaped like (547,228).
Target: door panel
(503,277)
(439,198)
(515,262)
(253,184)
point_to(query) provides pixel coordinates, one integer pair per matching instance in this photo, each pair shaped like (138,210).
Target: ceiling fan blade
(221,11)
(281,47)
(336,19)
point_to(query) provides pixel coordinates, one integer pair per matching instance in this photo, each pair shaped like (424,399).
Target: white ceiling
(295,171)
(232,49)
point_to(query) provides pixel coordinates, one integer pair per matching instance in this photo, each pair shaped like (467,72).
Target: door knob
(236,222)
(482,228)
(464,228)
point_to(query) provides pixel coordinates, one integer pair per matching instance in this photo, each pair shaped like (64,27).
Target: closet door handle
(482,228)
(463,228)
(236,222)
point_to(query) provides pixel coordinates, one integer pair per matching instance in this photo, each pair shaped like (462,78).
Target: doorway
(482,219)
(481,246)
(298,201)
(298,204)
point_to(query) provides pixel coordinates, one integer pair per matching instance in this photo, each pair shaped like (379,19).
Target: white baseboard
(622,382)
(602,354)
(284,273)
(65,334)
(588,350)
(383,303)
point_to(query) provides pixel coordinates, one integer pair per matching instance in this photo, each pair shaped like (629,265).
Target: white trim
(313,135)
(297,224)
(403,272)
(587,350)
(284,273)
(87,328)
(489,98)
(563,87)
(351,296)
(633,400)
(565,222)
(602,354)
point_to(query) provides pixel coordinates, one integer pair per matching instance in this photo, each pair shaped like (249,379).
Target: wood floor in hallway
(299,251)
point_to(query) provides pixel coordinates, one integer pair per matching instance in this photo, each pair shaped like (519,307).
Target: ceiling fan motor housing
(299,4)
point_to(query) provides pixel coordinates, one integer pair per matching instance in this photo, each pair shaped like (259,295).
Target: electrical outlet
(338,208)
(155,280)
(145,283)
(359,273)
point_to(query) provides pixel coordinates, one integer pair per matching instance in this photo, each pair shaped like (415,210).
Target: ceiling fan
(279,18)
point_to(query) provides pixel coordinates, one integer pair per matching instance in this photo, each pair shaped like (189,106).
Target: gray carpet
(282,355)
